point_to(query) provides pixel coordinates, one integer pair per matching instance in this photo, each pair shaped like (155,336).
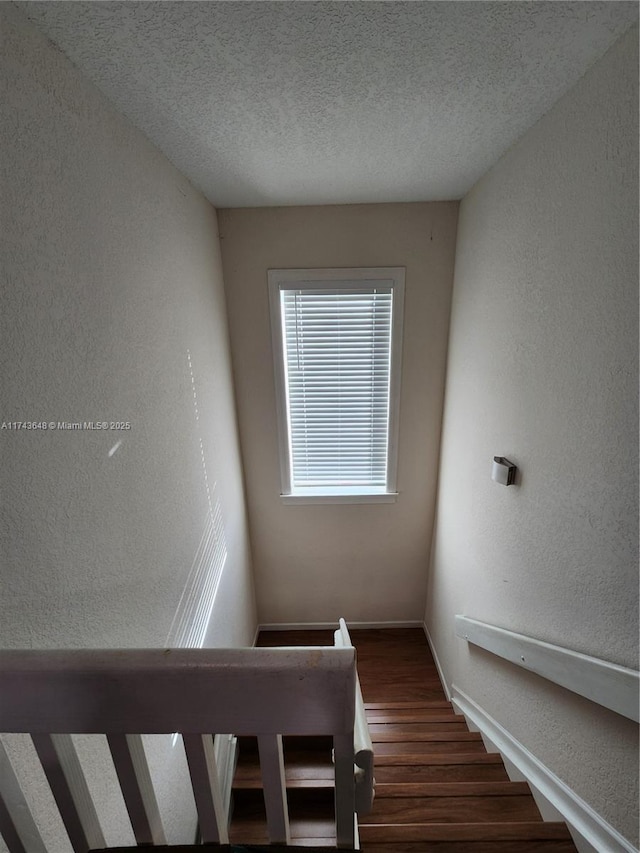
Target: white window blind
(336,360)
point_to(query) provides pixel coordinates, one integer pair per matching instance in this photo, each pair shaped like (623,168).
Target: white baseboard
(591,832)
(443,681)
(321,626)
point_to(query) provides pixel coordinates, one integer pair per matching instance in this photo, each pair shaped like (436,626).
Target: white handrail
(283,691)
(196,692)
(610,685)
(363,747)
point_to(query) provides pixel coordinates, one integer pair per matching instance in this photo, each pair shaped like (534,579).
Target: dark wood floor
(437,788)
(393,663)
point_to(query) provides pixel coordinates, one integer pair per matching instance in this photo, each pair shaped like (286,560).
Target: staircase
(437,788)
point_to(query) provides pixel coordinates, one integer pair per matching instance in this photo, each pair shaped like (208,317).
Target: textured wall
(361,561)
(543,369)
(113,310)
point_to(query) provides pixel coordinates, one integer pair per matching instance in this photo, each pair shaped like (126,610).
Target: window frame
(291,279)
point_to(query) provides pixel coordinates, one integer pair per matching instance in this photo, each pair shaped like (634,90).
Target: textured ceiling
(272,103)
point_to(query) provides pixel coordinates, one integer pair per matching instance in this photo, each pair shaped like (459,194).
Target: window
(337,341)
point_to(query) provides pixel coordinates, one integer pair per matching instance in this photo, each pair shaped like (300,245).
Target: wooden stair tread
(435,715)
(436,773)
(452,789)
(413,705)
(418,737)
(308,798)
(226,848)
(430,746)
(494,846)
(489,831)
(453,724)
(298,765)
(438,758)
(256,784)
(446,809)
(306,773)
(241,835)
(302,832)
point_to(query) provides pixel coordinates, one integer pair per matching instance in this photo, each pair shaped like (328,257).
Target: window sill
(364,498)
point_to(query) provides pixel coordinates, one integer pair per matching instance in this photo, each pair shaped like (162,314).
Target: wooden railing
(194,692)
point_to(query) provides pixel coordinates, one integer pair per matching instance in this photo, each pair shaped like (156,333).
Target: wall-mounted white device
(503,471)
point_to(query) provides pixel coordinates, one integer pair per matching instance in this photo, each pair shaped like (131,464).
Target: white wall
(363,562)
(112,276)
(542,369)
